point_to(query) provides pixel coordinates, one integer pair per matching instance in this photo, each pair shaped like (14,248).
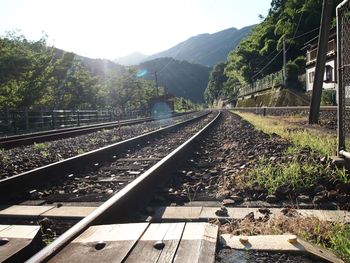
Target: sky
(114,28)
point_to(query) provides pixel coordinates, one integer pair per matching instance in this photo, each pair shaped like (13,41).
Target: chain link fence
(343,50)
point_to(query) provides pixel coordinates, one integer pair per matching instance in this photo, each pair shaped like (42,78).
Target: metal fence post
(26,120)
(340,113)
(53,120)
(7,119)
(78,115)
(14,122)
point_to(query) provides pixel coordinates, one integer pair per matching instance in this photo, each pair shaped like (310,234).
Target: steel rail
(26,139)
(38,176)
(302,108)
(132,197)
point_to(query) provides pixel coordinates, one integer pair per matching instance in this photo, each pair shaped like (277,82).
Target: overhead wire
(294,37)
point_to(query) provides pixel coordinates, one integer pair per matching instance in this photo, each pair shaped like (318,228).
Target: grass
(40,146)
(334,236)
(294,173)
(301,137)
(272,176)
(299,175)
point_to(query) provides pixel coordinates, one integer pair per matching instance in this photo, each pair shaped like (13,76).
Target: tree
(217,78)
(260,53)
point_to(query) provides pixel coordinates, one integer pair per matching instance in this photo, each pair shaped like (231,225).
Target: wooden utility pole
(284,62)
(321,61)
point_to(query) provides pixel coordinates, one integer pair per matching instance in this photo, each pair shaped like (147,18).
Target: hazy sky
(113,28)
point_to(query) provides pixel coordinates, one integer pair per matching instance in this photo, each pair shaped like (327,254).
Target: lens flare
(141,73)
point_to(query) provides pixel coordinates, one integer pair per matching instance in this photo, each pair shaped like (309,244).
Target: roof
(314,41)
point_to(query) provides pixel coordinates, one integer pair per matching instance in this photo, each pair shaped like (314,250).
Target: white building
(330,75)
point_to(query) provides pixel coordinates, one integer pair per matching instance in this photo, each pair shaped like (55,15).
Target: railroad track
(167,221)
(21,159)
(141,152)
(38,137)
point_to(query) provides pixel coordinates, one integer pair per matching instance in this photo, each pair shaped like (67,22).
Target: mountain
(181,78)
(131,59)
(206,49)
(97,66)
(101,67)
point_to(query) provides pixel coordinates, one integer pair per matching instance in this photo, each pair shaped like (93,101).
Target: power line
(268,64)
(294,37)
(317,28)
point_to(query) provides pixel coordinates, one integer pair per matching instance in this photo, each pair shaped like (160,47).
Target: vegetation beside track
(308,167)
(335,236)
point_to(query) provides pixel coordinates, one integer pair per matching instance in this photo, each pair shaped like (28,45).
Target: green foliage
(215,87)
(40,146)
(181,78)
(260,53)
(328,97)
(340,240)
(293,174)
(35,75)
(301,63)
(182,104)
(292,71)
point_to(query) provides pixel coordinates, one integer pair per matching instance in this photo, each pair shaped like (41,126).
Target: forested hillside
(181,78)
(206,49)
(260,53)
(35,75)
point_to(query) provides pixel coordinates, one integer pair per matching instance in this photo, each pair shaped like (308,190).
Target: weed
(40,146)
(80,151)
(323,143)
(335,236)
(44,154)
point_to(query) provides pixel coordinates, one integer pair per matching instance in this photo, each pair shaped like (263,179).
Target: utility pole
(284,62)
(156,78)
(320,62)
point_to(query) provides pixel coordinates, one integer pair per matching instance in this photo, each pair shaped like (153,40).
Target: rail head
(142,185)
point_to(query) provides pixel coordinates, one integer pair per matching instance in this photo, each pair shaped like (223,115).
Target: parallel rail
(26,139)
(134,196)
(39,176)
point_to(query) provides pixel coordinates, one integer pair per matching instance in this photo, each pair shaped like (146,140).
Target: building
(330,75)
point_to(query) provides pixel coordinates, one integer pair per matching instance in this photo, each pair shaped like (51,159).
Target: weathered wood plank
(198,243)
(69,212)
(20,231)
(2,227)
(20,242)
(168,233)
(105,243)
(326,215)
(23,211)
(177,212)
(277,243)
(206,213)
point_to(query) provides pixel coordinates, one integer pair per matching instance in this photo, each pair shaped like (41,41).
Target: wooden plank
(206,213)
(24,211)
(69,212)
(2,227)
(198,243)
(20,231)
(22,242)
(276,243)
(177,212)
(171,240)
(168,233)
(326,215)
(118,240)
(234,213)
